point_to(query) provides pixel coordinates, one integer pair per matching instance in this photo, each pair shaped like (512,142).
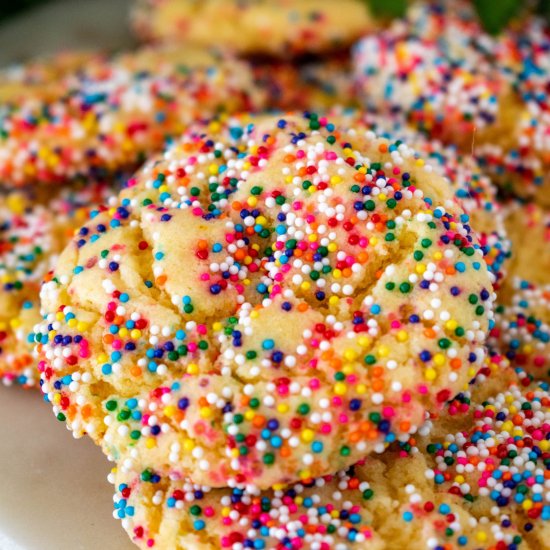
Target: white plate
(54,493)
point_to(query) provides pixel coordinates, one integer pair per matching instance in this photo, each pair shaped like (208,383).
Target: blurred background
(35,27)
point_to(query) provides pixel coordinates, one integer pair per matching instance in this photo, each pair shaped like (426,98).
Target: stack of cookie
(291,330)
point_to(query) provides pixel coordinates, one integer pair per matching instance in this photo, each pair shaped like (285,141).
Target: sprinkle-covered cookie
(522,328)
(283,29)
(476,477)
(310,85)
(33,231)
(472,187)
(380,503)
(111,114)
(269,301)
(444,75)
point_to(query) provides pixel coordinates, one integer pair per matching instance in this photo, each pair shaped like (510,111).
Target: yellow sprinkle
(214,126)
(430,374)
(481,536)
(402,336)
(350,354)
(135,333)
(150,442)
(507,426)
(193,369)
(282,408)
(340,388)
(308,435)
(188,445)
(249,415)
(252,201)
(15,323)
(451,324)
(16,203)
(439,359)
(335,179)
(169,410)
(364,341)
(383,351)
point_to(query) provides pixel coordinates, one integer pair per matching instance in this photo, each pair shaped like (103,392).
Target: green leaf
(495,14)
(388,8)
(543,8)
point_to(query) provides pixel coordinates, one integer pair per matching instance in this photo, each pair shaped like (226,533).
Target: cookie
(33,231)
(281,29)
(312,85)
(432,492)
(381,503)
(522,328)
(107,117)
(498,463)
(528,226)
(472,187)
(333,292)
(41,76)
(522,322)
(451,80)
